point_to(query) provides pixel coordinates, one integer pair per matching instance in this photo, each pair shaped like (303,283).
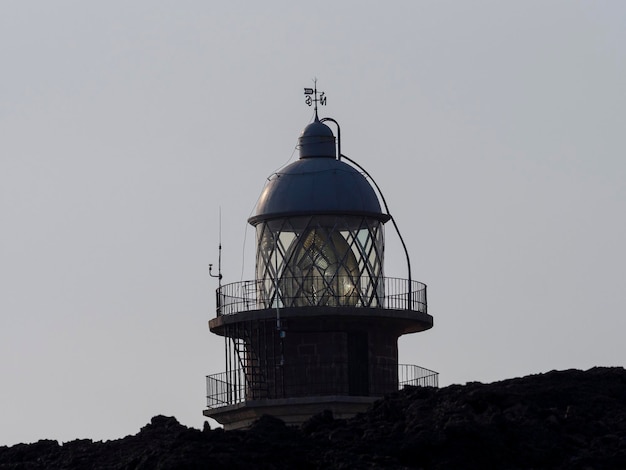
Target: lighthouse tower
(318,327)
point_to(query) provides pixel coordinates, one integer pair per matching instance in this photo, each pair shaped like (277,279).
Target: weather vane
(311,96)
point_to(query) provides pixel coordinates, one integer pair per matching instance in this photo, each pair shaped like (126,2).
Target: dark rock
(267,424)
(319,422)
(558,420)
(206,428)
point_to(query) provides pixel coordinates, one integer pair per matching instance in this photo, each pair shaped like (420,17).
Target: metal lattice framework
(321,261)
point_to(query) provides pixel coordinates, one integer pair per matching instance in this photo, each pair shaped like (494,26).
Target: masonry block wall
(325,358)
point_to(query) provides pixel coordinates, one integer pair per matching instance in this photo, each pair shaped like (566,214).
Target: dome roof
(317,140)
(317,184)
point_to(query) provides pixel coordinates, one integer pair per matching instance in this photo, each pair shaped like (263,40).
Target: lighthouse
(318,327)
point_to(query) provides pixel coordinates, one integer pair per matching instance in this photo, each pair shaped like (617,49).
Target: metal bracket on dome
(338,135)
(393,221)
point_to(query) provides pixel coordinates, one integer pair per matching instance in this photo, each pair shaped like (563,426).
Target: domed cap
(317,140)
(317,186)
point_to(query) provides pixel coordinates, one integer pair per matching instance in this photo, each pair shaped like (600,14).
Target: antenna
(219,258)
(312,98)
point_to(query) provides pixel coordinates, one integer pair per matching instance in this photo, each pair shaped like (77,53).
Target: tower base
(293,411)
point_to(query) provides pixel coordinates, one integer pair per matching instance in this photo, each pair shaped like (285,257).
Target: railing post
(218,303)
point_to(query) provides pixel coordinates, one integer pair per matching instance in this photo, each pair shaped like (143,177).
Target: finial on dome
(312,98)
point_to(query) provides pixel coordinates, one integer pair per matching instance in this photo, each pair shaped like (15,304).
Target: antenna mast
(219,258)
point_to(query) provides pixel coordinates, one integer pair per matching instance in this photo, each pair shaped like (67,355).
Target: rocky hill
(558,420)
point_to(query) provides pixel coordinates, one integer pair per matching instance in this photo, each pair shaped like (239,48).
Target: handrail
(230,388)
(391,293)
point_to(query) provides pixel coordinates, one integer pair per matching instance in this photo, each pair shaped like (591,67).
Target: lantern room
(319,226)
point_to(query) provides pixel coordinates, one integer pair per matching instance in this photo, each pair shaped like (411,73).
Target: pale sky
(496,131)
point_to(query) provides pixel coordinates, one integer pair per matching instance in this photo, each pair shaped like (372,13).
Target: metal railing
(230,388)
(390,293)
(225,388)
(416,376)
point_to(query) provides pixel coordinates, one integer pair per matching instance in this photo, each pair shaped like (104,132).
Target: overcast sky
(496,131)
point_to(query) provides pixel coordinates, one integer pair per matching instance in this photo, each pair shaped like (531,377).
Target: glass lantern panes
(320,261)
